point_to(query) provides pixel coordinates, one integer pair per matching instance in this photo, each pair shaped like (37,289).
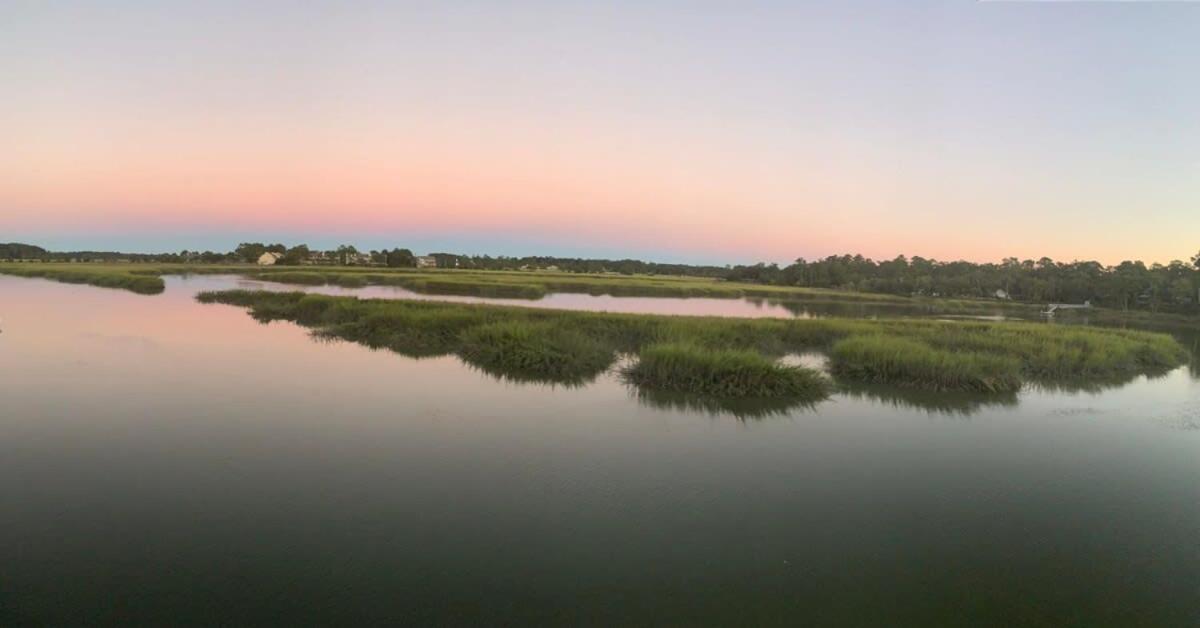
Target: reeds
(681,367)
(525,351)
(121,279)
(727,356)
(905,362)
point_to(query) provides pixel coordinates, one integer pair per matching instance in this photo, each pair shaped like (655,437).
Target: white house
(1001,293)
(426,261)
(268,259)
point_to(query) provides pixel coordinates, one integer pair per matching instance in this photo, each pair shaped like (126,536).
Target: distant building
(268,259)
(1001,294)
(426,261)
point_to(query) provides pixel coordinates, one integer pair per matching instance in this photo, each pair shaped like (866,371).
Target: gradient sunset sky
(691,131)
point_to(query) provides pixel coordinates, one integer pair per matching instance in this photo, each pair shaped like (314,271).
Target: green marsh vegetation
(529,285)
(689,368)
(907,362)
(726,357)
(123,277)
(535,285)
(526,351)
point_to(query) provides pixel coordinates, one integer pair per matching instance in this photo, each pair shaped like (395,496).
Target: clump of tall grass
(688,368)
(534,351)
(904,362)
(1052,352)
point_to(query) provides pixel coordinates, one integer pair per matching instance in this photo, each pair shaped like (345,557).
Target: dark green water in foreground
(164,462)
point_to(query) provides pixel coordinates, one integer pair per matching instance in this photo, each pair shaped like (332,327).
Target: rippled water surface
(166,462)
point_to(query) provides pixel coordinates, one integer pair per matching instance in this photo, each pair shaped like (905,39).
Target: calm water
(746,308)
(164,462)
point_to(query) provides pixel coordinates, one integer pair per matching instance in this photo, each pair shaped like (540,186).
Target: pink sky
(726,137)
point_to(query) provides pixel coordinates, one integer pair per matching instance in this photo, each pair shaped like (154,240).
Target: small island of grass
(726,357)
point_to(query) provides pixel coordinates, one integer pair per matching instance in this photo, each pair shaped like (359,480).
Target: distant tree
(1196,276)
(295,255)
(401,258)
(344,253)
(445,260)
(250,251)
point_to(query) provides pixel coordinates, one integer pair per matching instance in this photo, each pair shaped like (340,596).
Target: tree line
(1173,287)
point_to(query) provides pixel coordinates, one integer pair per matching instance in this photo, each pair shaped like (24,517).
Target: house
(268,259)
(426,261)
(1001,293)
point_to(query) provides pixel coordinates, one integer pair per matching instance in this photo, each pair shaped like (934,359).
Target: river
(167,462)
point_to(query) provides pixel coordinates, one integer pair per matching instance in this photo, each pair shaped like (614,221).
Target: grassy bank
(123,277)
(725,356)
(507,284)
(536,285)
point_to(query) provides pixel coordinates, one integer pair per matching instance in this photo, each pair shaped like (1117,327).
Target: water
(744,308)
(165,462)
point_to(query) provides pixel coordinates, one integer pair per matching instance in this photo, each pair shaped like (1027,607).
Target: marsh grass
(122,279)
(525,351)
(536,285)
(729,373)
(525,285)
(725,356)
(908,362)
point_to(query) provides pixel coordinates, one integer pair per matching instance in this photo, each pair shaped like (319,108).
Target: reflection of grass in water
(1194,365)
(565,346)
(741,407)
(948,403)
(1095,385)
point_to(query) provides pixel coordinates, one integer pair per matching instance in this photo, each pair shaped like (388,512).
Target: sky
(694,131)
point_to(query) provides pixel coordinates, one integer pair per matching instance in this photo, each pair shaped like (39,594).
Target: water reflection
(740,408)
(343,485)
(1095,385)
(1192,342)
(754,307)
(942,403)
